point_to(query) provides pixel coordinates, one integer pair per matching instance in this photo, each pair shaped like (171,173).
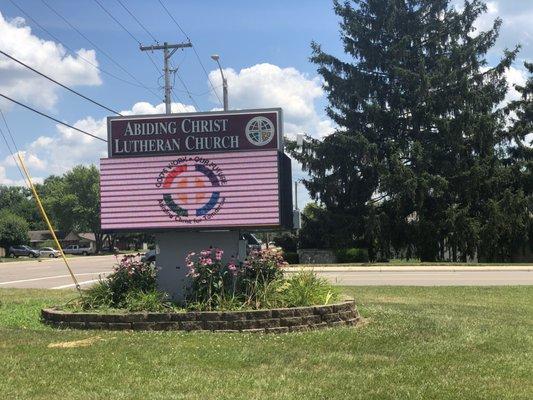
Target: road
(52,274)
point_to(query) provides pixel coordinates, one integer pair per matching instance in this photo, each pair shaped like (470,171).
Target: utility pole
(166,57)
(296,195)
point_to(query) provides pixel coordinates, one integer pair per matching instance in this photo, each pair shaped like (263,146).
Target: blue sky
(264,47)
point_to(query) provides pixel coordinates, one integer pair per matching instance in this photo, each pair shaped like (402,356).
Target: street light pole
(216,57)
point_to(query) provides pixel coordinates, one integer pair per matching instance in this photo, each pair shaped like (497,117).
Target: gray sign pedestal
(175,246)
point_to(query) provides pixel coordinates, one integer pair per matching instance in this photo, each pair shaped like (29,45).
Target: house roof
(82,236)
(41,236)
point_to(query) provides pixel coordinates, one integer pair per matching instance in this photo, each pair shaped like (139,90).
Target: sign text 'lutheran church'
(215,170)
(193,133)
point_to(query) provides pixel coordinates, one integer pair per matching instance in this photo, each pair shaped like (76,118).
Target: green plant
(130,285)
(131,275)
(98,296)
(259,271)
(152,300)
(291,257)
(212,280)
(216,285)
(352,255)
(48,243)
(13,230)
(287,241)
(305,288)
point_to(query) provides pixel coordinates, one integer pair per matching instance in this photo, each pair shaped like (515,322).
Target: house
(43,238)
(84,239)
(38,238)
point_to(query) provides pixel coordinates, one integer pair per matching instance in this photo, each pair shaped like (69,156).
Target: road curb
(408,269)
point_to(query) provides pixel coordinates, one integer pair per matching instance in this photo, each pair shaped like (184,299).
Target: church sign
(194,133)
(219,170)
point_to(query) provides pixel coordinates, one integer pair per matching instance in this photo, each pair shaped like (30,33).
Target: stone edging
(278,320)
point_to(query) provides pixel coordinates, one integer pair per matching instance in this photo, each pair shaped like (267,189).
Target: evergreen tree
(419,138)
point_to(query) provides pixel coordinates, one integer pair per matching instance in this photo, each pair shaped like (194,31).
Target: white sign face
(260,131)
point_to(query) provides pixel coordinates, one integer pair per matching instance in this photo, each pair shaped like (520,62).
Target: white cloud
(30,159)
(144,107)
(4,180)
(514,76)
(45,56)
(57,153)
(267,85)
(486,20)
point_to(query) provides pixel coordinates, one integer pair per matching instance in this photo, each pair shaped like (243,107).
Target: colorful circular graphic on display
(191,202)
(260,131)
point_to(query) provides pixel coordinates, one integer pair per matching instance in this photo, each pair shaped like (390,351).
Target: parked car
(49,252)
(148,257)
(77,249)
(252,242)
(23,250)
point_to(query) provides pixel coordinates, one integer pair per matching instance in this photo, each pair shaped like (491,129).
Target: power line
(179,101)
(98,48)
(139,22)
(194,49)
(58,83)
(117,21)
(147,53)
(186,90)
(8,145)
(135,39)
(72,51)
(52,118)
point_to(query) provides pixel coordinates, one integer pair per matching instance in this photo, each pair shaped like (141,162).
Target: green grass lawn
(418,343)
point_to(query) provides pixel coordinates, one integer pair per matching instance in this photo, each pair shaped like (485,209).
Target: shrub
(97,296)
(131,284)
(291,257)
(352,255)
(256,283)
(131,275)
(48,243)
(212,280)
(287,241)
(305,289)
(215,283)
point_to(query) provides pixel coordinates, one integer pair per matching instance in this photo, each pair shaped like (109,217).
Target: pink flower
(232,268)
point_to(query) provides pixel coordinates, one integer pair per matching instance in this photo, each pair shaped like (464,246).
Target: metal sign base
(173,247)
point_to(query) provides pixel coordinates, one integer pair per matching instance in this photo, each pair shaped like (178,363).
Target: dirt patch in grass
(78,343)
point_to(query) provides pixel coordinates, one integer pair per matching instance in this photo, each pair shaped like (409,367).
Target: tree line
(426,160)
(72,202)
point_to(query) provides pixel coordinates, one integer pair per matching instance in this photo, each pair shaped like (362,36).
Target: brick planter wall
(278,320)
